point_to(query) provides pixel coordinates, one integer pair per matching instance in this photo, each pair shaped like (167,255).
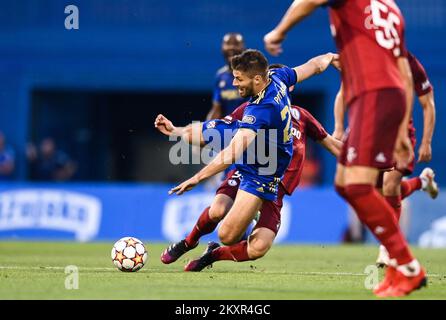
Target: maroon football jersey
(369,35)
(421,81)
(304,124)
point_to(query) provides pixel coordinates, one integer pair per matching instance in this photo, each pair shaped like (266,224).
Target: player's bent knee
(260,242)
(227,236)
(257,249)
(217,212)
(391,186)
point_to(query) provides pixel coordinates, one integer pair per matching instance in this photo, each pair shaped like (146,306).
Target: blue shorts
(264,190)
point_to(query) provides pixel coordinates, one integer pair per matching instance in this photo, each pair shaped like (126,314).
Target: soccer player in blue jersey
(267,116)
(226,97)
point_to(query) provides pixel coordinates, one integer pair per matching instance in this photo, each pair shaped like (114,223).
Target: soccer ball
(129,254)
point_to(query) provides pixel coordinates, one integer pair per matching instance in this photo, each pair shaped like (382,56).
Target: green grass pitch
(35,270)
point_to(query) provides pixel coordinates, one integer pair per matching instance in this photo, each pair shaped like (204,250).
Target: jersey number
(386,34)
(286,132)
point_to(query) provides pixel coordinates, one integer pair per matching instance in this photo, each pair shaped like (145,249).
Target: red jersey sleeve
(313,128)
(237,114)
(421,81)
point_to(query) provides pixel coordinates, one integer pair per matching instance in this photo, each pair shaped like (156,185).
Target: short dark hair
(252,62)
(276,66)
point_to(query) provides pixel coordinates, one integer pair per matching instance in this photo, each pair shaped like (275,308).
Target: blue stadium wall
(107,212)
(175,45)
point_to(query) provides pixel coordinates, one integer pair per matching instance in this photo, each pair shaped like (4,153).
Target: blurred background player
(226,97)
(391,182)
(48,163)
(7,160)
(378,91)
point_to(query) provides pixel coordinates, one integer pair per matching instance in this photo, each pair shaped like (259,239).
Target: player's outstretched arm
(316,65)
(427,102)
(339,114)
(191,133)
(298,10)
(332,145)
(223,160)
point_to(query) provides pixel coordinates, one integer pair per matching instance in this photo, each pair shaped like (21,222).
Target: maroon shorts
(270,212)
(374,118)
(230,185)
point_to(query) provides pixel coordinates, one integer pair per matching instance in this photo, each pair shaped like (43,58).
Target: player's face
(231,48)
(243,83)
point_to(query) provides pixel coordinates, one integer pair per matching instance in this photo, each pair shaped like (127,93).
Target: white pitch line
(309,273)
(52,268)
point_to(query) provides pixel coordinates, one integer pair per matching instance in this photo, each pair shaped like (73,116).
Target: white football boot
(428,183)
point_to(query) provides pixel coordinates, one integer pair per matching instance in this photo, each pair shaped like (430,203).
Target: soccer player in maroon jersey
(378,90)
(303,125)
(391,183)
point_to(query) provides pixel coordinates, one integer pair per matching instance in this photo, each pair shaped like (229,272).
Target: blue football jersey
(225,93)
(218,133)
(268,114)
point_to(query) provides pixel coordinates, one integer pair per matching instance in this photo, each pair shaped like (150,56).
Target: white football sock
(410,269)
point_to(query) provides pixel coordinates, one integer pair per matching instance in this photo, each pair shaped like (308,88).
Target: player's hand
(273,42)
(336,61)
(164,125)
(403,152)
(323,61)
(185,186)
(338,133)
(425,152)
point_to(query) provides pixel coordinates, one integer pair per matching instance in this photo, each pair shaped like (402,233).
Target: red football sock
(237,252)
(203,226)
(395,203)
(409,186)
(379,217)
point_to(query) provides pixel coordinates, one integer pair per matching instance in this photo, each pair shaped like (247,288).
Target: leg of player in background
(395,189)
(391,190)
(425,181)
(258,244)
(209,219)
(206,223)
(243,211)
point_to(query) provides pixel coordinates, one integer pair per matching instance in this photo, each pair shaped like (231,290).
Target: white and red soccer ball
(129,254)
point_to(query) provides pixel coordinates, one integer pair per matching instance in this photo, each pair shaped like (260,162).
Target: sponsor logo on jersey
(211,125)
(295,113)
(425,85)
(380,158)
(48,209)
(249,119)
(351,154)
